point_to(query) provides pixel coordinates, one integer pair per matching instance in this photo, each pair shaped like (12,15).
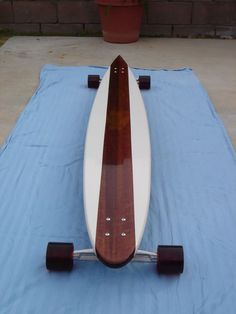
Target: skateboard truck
(61,256)
(144,81)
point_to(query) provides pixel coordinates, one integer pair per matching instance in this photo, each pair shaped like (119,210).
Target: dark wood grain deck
(115,235)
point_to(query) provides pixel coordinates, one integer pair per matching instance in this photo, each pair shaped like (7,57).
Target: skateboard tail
(115,263)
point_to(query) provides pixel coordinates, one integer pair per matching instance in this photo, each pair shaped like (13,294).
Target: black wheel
(170,259)
(59,256)
(93,81)
(144,82)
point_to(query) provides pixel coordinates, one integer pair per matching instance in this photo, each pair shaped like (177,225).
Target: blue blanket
(193,203)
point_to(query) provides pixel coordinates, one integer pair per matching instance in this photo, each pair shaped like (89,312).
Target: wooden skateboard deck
(115,217)
(117,167)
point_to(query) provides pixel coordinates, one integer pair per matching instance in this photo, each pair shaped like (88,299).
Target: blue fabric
(193,203)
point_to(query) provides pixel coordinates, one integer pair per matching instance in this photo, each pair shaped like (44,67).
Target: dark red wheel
(93,81)
(144,82)
(170,259)
(59,256)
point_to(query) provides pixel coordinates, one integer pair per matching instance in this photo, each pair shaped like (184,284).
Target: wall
(186,18)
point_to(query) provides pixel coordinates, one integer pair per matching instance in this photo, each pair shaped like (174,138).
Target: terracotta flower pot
(120,20)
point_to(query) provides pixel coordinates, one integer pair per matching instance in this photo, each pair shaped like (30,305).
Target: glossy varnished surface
(115,234)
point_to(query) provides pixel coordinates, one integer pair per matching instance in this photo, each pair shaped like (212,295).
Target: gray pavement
(21,58)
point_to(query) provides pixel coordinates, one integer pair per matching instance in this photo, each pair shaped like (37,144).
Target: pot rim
(124,3)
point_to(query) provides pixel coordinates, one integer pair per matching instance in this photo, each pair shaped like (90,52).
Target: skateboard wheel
(59,256)
(144,82)
(93,81)
(170,259)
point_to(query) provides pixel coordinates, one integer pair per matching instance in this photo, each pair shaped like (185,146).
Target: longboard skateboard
(117,177)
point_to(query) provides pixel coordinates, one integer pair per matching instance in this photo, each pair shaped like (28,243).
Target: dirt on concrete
(3,39)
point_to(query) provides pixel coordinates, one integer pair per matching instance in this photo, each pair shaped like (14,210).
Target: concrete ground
(21,58)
